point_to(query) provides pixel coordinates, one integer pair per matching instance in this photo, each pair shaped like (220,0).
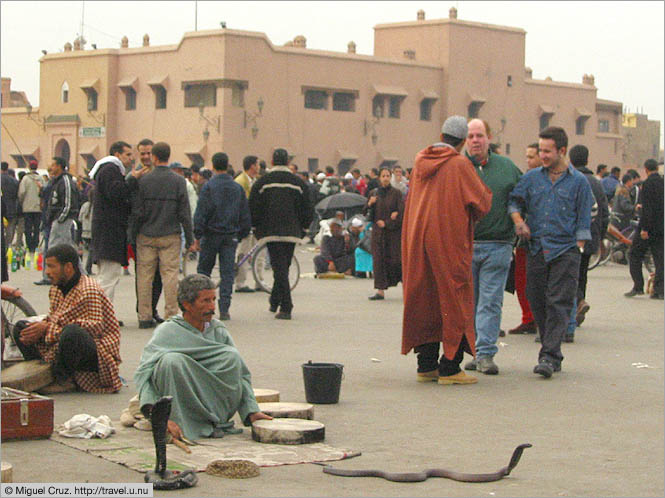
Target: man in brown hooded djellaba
(446,198)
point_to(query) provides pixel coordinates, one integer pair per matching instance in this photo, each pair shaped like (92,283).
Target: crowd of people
(457,230)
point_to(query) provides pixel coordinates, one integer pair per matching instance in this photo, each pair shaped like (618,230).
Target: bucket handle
(337,365)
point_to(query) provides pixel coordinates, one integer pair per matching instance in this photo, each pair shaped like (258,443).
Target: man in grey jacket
(163,208)
(28,197)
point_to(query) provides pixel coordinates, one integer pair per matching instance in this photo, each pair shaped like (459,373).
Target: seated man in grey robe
(192,357)
(337,251)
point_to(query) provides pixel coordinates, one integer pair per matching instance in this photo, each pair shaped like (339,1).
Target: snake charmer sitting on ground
(193,358)
(80,336)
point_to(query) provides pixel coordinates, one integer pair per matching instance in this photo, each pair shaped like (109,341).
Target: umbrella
(341,201)
(344,201)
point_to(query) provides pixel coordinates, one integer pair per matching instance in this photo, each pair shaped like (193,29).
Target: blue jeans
(225,246)
(490,266)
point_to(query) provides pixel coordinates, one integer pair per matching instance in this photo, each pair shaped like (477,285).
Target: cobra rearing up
(422,476)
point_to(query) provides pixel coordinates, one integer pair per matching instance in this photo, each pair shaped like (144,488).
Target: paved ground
(596,428)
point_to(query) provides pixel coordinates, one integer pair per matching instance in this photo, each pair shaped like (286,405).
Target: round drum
(266,395)
(7,472)
(288,431)
(288,410)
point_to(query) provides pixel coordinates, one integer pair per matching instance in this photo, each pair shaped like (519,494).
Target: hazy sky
(620,43)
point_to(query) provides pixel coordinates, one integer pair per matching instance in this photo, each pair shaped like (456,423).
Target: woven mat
(135,449)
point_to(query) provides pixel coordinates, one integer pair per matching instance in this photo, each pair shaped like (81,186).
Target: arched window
(64,92)
(62,150)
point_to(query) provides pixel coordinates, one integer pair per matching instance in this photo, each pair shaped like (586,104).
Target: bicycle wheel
(262,270)
(602,255)
(13,310)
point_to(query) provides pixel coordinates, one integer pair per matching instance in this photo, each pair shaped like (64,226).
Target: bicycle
(14,309)
(260,263)
(615,247)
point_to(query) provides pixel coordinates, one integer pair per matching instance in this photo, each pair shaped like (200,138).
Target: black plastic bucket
(322,382)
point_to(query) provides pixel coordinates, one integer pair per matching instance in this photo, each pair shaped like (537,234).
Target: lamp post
(371,125)
(251,118)
(39,122)
(214,122)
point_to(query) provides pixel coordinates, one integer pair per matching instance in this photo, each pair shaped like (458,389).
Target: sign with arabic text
(92,132)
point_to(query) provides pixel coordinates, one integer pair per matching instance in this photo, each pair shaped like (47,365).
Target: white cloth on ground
(86,426)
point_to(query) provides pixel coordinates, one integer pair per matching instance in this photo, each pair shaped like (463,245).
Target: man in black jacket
(221,220)
(600,218)
(280,206)
(110,215)
(63,205)
(650,233)
(10,195)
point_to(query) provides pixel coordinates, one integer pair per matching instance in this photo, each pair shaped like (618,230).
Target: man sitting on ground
(324,227)
(193,358)
(80,336)
(355,227)
(337,252)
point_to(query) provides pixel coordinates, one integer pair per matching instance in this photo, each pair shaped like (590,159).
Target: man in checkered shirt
(80,336)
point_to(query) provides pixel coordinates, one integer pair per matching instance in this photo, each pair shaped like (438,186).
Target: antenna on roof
(82,15)
(80,38)
(196,15)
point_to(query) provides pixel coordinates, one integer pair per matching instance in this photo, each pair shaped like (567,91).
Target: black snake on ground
(422,476)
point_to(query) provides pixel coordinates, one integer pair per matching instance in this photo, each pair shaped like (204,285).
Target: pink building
(234,91)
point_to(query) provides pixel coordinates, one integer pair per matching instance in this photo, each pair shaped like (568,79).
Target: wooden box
(25,415)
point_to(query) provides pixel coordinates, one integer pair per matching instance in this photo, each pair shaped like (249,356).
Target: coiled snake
(422,476)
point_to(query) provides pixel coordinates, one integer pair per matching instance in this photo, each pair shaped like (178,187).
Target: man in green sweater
(492,245)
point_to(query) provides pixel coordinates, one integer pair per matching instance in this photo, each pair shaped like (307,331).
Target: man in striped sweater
(280,206)
(63,205)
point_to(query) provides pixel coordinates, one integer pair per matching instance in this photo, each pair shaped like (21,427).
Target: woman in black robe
(385,209)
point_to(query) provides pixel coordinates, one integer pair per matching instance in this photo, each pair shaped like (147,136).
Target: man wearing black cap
(280,206)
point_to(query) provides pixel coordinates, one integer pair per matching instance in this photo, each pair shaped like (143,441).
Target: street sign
(91,132)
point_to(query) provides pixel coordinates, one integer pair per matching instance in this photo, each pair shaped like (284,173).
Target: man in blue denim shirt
(558,200)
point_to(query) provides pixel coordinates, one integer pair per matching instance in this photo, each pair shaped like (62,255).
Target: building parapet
(19,110)
(560,84)
(240,33)
(609,105)
(455,21)
(62,118)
